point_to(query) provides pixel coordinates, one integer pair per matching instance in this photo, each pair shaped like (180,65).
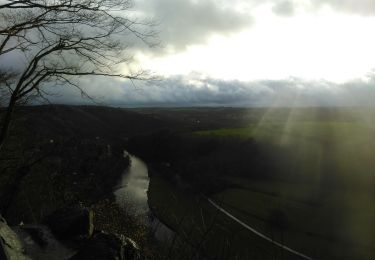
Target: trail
(259,233)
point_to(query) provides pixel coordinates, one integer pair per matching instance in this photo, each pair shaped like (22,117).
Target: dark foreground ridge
(68,234)
(57,175)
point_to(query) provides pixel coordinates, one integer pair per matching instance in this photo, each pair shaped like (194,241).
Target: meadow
(322,195)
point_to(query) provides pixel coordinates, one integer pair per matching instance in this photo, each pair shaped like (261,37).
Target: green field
(346,147)
(329,212)
(338,199)
(336,225)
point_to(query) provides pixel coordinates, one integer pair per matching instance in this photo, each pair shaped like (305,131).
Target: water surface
(131,195)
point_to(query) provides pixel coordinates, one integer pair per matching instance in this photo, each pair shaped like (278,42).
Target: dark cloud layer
(186,22)
(181,91)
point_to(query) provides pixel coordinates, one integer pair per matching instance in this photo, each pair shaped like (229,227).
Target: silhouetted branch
(66,39)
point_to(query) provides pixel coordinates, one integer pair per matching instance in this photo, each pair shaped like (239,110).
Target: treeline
(204,161)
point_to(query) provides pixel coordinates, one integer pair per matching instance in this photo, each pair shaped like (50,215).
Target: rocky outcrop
(69,235)
(41,244)
(11,247)
(76,224)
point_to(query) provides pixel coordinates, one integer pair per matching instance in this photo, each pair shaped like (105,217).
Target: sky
(249,53)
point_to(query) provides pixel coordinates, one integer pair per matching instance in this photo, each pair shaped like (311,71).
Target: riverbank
(178,245)
(78,173)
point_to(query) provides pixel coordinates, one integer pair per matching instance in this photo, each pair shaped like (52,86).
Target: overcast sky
(251,53)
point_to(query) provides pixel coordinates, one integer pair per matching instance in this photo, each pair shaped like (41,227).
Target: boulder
(74,222)
(104,246)
(11,247)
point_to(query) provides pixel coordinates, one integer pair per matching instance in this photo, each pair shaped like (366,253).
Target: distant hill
(85,121)
(98,121)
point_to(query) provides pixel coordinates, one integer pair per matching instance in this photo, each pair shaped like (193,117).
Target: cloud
(199,91)
(187,22)
(290,7)
(284,8)
(361,7)
(183,23)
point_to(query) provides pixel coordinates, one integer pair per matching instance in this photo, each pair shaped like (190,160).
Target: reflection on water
(132,191)
(131,195)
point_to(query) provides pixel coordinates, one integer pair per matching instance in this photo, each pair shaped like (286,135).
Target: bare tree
(63,39)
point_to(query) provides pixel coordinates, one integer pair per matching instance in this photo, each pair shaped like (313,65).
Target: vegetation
(315,174)
(306,183)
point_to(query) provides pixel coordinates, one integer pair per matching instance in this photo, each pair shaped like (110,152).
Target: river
(131,194)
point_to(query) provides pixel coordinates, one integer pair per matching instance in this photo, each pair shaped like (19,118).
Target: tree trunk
(5,123)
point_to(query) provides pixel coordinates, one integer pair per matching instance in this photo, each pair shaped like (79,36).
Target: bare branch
(65,39)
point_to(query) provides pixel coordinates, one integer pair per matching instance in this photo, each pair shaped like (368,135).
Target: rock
(71,222)
(41,244)
(11,247)
(104,246)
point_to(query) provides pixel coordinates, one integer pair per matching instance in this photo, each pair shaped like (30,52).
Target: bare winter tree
(59,40)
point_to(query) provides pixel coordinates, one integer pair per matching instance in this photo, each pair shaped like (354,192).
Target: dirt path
(258,233)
